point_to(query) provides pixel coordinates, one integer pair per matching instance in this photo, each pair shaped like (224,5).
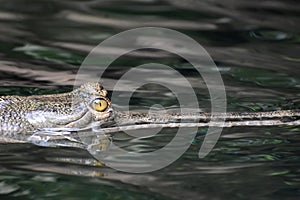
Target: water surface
(256,48)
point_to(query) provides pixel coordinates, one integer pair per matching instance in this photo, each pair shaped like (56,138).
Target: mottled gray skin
(22,117)
(24,114)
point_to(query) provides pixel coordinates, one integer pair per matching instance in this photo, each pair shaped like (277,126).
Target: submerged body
(89,106)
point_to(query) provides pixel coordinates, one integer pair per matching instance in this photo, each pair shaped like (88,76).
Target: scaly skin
(24,116)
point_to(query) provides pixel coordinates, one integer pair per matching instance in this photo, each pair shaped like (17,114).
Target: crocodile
(88,106)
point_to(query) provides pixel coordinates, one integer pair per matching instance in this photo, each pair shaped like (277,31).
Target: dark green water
(255,45)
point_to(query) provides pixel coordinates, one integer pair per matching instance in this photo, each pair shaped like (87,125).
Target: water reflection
(256,47)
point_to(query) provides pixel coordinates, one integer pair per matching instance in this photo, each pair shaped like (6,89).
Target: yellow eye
(99,105)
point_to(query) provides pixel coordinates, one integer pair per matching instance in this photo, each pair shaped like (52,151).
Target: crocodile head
(84,106)
(91,100)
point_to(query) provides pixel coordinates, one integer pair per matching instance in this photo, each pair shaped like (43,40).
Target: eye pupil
(100,105)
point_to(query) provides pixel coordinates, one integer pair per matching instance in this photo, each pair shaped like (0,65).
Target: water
(255,46)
